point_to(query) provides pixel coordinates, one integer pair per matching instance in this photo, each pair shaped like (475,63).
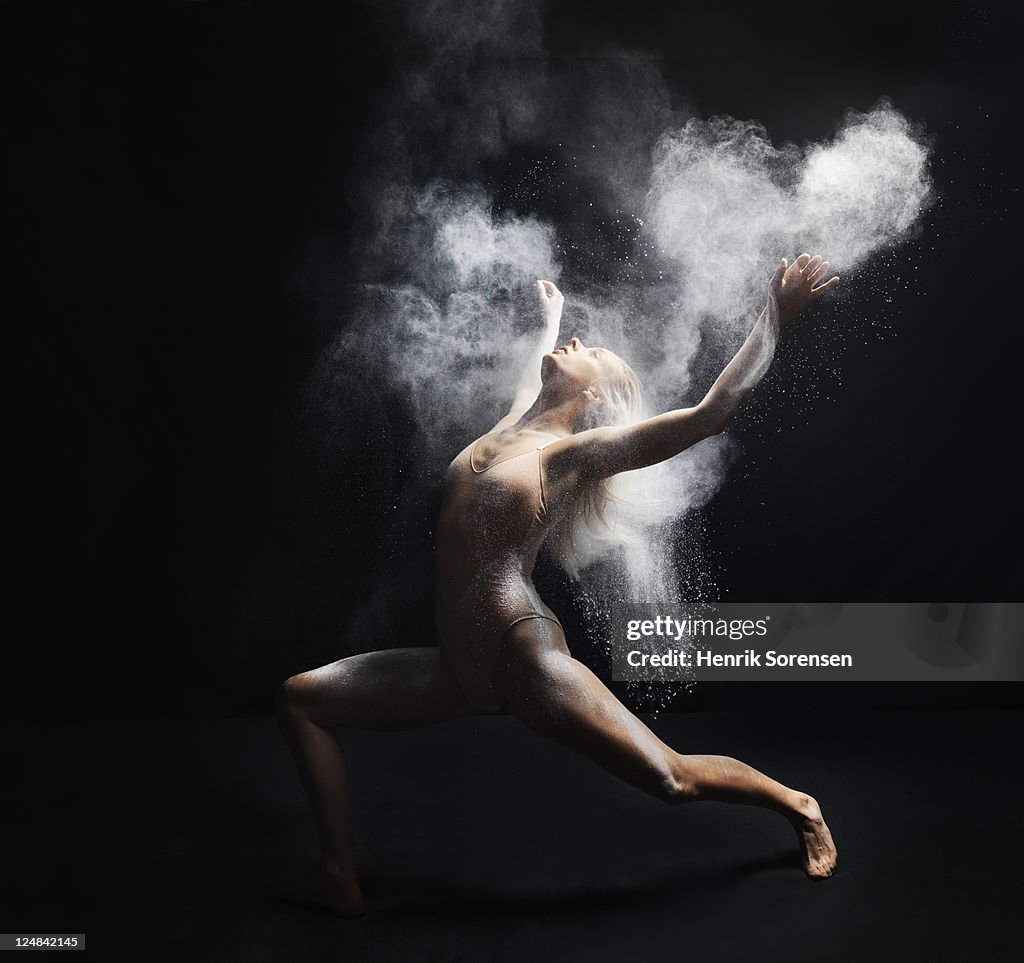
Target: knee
(677,783)
(294,695)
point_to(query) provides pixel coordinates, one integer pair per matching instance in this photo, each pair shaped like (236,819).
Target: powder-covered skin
(493,520)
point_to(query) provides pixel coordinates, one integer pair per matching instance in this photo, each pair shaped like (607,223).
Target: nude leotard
(492,523)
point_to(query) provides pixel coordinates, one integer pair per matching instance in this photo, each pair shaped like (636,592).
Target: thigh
(540,683)
(390,689)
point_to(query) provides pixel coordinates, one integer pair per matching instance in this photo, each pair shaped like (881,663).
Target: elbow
(711,420)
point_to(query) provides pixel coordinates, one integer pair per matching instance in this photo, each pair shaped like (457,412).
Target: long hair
(589,507)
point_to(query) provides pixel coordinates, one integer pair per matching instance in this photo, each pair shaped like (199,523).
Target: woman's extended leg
(538,681)
(392,689)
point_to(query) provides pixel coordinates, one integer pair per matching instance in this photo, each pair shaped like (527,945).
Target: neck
(559,417)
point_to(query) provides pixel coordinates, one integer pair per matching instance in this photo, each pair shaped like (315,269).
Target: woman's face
(580,365)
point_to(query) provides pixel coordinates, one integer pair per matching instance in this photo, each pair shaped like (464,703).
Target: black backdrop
(180,547)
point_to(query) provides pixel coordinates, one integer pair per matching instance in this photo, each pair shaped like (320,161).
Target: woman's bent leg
(539,681)
(393,689)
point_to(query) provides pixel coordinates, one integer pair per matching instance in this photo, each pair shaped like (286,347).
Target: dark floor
(481,842)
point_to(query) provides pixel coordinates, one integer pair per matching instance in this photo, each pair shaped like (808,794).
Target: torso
(493,520)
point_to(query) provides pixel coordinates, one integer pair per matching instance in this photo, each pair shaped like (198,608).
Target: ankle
(806,807)
(331,867)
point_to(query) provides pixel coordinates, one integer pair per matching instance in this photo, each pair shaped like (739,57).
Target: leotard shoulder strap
(480,471)
(540,475)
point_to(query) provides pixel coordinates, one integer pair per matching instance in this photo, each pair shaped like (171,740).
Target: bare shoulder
(579,444)
(579,454)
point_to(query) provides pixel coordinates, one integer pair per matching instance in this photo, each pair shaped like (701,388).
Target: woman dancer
(533,476)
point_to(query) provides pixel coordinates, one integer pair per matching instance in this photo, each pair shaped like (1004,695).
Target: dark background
(181,547)
(183,533)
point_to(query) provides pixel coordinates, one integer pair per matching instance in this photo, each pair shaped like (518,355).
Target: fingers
(827,286)
(818,273)
(810,271)
(779,272)
(811,266)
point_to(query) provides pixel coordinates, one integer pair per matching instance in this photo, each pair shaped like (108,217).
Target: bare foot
(819,852)
(315,886)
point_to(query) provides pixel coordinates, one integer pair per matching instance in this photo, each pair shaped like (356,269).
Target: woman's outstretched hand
(798,284)
(551,302)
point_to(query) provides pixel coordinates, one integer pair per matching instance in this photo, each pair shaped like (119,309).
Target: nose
(576,344)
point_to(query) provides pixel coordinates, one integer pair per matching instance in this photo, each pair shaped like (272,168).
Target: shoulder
(579,444)
(581,454)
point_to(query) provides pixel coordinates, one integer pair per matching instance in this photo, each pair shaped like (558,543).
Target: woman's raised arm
(551,301)
(601,452)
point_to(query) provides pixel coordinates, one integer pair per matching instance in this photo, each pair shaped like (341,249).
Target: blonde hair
(622,405)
